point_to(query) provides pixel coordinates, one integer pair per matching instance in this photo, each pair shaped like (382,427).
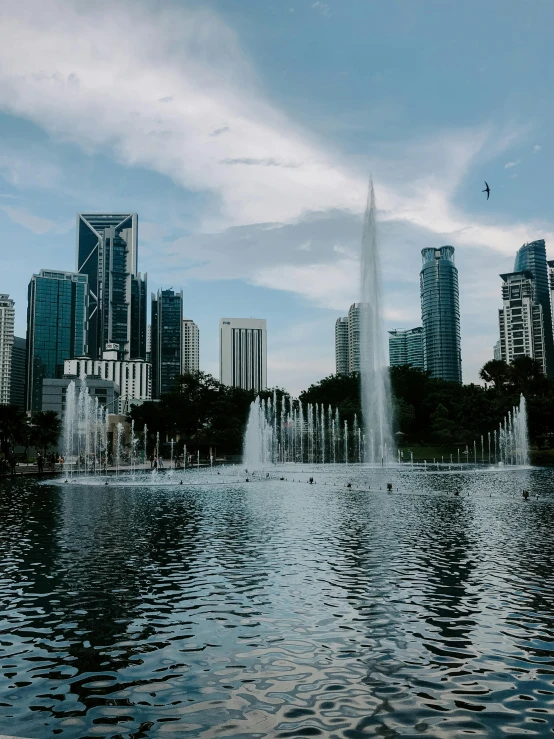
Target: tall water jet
(376,402)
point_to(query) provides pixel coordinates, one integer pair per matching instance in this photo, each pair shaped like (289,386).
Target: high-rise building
(440,313)
(149,343)
(107,254)
(57,328)
(19,352)
(497,351)
(354,337)
(531,258)
(406,347)
(521,319)
(191,347)
(243,353)
(341,346)
(7,319)
(167,340)
(133,377)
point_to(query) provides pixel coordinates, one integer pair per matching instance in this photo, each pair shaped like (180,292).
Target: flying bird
(487,189)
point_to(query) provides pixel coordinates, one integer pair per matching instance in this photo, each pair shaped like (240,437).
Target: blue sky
(243,133)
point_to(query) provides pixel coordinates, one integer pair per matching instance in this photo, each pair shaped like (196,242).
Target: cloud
(536,149)
(29,221)
(219,131)
(260,162)
(322,8)
(509,165)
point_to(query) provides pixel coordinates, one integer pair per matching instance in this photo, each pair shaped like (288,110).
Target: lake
(226,608)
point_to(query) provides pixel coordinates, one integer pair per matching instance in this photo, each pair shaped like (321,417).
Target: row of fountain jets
(292,432)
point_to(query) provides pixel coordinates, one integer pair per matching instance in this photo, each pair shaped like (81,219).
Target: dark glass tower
(532,258)
(57,321)
(440,313)
(17,392)
(107,254)
(167,327)
(138,317)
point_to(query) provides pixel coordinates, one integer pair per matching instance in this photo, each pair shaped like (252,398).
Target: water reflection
(278,608)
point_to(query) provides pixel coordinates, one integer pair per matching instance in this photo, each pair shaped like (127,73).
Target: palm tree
(46,428)
(496,371)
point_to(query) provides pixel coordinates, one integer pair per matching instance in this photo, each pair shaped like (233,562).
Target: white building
(190,355)
(134,377)
(7,318)
(341,346)
(521,319)
(243,353)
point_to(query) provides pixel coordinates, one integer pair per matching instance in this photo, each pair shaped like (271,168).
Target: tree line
(202,413)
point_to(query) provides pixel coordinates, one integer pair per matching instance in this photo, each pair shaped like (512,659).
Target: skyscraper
(243,353)
(7,318)
(191,347)
(406,347)
(341,346)
(167,340)
(440,313)
(107,254)
(531,258)
(354,337)
(57,327)
(521,319)
(19,354)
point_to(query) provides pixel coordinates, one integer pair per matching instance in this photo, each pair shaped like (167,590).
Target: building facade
(497,351)
(7,320)
(440,313)
(341,346)
(354,337)
(191,347)
(133,377)
(107,254)
(243,353)
(54,393)
(521,319)
(19,358)
(406,347)
(531,259)
(166,340)
(57,328)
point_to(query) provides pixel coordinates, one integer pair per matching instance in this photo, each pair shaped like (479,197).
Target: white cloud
(536,149)
(29,221)
(322,8)
(515,163)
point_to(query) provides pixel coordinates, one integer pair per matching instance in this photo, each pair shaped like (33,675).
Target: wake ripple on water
(279,609)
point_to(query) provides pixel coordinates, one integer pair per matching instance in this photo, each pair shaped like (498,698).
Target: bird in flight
(487,189)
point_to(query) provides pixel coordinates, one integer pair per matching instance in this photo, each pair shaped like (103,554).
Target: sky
(243,133)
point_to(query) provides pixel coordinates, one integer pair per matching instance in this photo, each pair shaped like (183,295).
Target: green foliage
(45,428)
(12,427)
(340,391)
(41,430)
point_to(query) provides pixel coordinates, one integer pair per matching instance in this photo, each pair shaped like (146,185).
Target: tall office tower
(341,346)
(57,328)
(19,352)
(7,318)
(406,347)
(243,353)
(354,337)
(440,313)
(531,258)
(107,254)
(149,343)
(521,319)
(191,347)
(167,340)
(497,350)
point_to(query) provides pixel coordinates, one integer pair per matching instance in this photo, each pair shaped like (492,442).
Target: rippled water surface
(221,608)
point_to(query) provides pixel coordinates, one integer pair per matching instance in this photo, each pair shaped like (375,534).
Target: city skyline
(252,193)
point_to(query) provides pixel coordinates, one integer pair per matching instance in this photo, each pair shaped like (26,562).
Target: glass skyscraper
(57,323)
(167,340)
(406,347)
(531,258)
(440,313)
(107,254)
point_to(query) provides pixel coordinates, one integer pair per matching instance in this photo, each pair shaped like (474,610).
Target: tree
(12,427)
(442,428)
(45,429)
(497,372)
